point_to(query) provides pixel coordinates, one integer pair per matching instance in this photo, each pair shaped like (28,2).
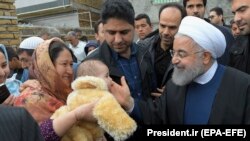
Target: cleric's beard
(183,77)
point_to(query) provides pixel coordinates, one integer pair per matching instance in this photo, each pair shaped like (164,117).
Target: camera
(4,93)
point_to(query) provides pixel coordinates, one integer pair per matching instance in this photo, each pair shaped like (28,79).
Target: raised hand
(122,94)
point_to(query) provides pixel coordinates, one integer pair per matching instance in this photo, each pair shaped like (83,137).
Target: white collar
(208,75)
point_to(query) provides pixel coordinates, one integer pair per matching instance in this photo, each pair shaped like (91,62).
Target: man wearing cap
(201,91)
(26,49)
(90,47)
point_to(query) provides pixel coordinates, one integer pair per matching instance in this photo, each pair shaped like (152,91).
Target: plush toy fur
(109,114)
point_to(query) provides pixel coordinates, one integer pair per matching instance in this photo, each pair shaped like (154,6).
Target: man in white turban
(201,90)
(196,37)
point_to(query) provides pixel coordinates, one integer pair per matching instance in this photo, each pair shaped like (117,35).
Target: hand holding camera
(5,96)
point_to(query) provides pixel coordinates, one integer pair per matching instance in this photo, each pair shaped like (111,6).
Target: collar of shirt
(133,52)
(208,75)
(71,46)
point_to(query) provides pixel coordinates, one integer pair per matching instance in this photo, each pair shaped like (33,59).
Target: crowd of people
(191,70)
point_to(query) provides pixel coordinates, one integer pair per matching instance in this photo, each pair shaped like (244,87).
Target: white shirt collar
(208,75)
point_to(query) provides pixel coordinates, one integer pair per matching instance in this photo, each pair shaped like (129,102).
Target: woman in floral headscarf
(52,68)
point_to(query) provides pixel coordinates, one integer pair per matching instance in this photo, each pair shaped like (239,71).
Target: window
(163,1)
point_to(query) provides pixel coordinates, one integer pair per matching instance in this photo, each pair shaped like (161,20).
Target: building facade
(59,13)
(151,7)
(64,15)
(9,32)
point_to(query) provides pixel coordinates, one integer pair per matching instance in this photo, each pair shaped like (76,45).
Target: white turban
(205,34)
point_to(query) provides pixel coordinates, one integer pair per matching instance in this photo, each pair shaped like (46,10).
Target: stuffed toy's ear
(113,119)
(89,82)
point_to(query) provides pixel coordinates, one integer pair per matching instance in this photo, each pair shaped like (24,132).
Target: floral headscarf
(42,103)
(44,71)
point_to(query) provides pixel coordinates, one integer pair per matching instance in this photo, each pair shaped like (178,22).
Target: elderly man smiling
(201,90)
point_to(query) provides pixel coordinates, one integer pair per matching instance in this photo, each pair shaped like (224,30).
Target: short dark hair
(119,9)
(51,32)
(96,26)
(55,48)
(217,10)
(28,51)
(231,23)
(143,16)
(185,3)
(77,30)
(11,53)
(71,33)
(84,38)
(175,5)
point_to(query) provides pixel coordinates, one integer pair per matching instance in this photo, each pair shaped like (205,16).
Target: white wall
(65,20)
(146,6)
(25,3)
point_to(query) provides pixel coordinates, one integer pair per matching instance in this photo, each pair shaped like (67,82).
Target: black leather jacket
(104,54)
(239,54)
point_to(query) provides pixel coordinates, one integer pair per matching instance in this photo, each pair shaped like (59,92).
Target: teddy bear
(110,116)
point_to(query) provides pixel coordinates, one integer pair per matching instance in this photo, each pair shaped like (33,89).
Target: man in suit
(18,125)
(201,90)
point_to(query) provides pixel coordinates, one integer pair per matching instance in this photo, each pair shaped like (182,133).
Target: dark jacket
(150,42)
(231,104)
(18,125)
(104,54)
(239,54)
(224,59)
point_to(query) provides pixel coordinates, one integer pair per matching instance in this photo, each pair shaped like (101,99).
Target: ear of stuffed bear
(89,82)
(113,119)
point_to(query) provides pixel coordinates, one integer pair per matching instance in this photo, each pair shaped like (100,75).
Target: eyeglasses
(182,54)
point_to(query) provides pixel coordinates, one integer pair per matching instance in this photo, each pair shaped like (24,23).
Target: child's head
(95,68)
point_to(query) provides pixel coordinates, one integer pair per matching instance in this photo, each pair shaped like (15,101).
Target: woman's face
(63,65)
(4,68)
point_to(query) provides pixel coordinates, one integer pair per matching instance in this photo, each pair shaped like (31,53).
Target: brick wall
(92,3)
(9,32)
(87,19)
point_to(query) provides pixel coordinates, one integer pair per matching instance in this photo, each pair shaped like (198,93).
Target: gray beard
(183,77)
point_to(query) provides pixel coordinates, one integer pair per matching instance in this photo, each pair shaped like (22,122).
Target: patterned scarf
(42,103)
(44,71)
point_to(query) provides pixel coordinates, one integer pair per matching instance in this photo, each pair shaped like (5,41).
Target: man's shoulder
(93,55)
(148,41)
(81,44)
(240,44)
(236,75)
(9,110)
(142,50)
(242,39)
